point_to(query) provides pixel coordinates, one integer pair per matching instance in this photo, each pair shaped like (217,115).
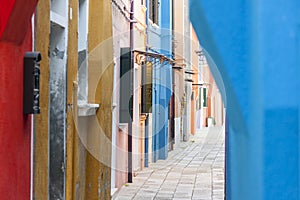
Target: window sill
(87,109)
(144,9)
(154,25)
(123,127)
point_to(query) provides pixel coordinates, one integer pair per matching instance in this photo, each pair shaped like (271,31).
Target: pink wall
(121,158)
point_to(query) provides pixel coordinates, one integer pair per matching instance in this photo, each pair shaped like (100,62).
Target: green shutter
(146,88)
(156,9)
(125,86)
(151,9)
(204,97)
(199,100)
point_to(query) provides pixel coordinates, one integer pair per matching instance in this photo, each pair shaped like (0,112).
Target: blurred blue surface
(253,51)
(159,40)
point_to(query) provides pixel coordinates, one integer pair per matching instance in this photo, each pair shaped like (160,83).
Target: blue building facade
(253,50)
(159,41)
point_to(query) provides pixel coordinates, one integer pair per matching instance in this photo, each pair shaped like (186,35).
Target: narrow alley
(195,170)
(127,99)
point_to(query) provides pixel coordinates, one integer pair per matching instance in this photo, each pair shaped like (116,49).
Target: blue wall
(165,82)
(254,46)
(159,41)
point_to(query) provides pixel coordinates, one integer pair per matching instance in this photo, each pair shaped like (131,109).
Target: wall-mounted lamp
(197,84)
(189,72)
(177,67)
(189,80)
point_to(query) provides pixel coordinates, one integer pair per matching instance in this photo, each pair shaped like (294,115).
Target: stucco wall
(121,37)
(262,107)
(100,72)
(42,123)
(15,128)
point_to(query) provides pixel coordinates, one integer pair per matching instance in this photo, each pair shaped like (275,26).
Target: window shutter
(151,9)
(146,88)
(125,86)
(156,8)
(204,97)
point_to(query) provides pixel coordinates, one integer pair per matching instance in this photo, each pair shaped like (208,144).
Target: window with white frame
(82,51)
(153,11)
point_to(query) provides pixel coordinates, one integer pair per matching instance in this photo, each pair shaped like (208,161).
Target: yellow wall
(41,121)
(100,83)
(72,141)
(85,174)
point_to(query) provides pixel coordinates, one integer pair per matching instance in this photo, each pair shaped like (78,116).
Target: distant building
(159,41)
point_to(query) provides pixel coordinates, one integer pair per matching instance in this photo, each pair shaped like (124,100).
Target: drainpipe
(173,29)
(173,79)
(130,131)
(147,22)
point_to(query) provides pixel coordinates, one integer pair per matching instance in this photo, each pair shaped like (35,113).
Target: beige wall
(179,55)
(195,88)
(179,75)
(179,29)
(215,107)
(139,44)
(121,37)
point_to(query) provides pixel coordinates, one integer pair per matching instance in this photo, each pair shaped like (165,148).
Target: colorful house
(159,42)
(73,132)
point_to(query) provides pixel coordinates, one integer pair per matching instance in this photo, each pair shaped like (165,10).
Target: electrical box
(31,96)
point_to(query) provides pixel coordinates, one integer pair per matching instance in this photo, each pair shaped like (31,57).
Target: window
(153,10)
(126,100)
(199,100)
(146,87)
(82,51)
(204,97)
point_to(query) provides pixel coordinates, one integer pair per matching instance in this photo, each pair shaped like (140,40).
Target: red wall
(5,11)
(15,18)
(15,128)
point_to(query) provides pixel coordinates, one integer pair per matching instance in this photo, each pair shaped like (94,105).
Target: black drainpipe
(132,89)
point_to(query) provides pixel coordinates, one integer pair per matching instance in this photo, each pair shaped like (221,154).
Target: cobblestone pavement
(195,170)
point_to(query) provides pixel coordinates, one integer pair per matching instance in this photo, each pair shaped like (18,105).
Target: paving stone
(123,198)
(163,198)
(164,195)
(183,195)
(194,170)
(143,197)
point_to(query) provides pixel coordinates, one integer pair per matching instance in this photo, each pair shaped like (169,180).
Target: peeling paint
(57,53)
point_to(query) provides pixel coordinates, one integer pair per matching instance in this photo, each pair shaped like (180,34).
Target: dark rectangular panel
(125,86)
(147,88)
(204,97)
